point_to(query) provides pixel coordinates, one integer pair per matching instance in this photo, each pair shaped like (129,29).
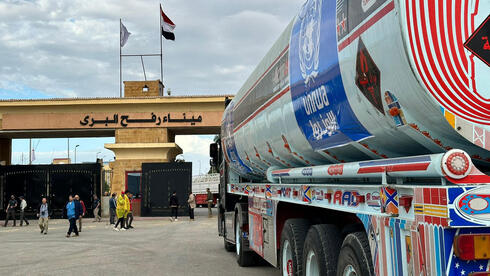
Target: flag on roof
(167,26)
(124,34)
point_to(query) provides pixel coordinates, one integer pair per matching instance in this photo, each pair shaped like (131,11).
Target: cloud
(70,48)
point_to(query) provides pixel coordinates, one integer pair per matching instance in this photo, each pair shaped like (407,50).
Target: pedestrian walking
(112,208)
(96,208)
(23,206)
(120,211)
(43,216)
(192,205)
(129,219)
(84,210)
(174,205)
(11,210)
(73,212)
(210,202)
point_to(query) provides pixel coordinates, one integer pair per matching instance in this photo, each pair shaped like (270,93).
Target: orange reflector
(472,246)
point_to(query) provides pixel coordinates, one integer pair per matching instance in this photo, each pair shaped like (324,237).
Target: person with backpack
(43,216)
(84,210)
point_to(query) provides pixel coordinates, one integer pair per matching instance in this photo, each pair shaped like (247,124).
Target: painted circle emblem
(478,204)
(309,39)
(456,164)
(474,205)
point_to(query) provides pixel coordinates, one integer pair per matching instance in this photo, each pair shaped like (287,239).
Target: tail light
(472,246)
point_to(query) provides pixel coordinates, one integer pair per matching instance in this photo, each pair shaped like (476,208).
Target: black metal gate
(159,181)
(55,182)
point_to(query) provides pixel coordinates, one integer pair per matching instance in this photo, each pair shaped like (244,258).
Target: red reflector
(464,247)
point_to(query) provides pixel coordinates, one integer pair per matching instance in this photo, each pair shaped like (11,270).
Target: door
(159,181)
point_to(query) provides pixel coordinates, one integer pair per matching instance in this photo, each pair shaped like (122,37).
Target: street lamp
(76,153)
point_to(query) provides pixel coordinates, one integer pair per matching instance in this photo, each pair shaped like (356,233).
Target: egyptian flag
(167,26)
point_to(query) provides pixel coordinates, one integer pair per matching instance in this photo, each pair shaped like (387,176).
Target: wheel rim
(312,268)
(287,259)
(349,271)
(237,239)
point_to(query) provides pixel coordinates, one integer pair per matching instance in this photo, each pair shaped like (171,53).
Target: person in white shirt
(23,205)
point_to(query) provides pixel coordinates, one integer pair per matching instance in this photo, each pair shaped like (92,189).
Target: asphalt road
(155,247)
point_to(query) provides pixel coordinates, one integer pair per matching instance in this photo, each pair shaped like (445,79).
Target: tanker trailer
(361,142)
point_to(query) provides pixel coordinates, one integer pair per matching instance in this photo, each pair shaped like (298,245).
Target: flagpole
(161,44)
(30,151)
(120,60)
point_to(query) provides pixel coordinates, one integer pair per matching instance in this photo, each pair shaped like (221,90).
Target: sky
(53,48)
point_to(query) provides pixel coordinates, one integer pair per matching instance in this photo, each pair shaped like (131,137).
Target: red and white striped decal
(437,31)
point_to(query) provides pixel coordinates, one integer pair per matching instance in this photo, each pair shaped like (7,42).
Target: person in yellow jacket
(121,211)
(127,209)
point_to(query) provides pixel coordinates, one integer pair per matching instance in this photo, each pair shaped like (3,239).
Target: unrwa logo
(309,40)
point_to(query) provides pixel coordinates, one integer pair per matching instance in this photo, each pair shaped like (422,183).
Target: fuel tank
(354,80)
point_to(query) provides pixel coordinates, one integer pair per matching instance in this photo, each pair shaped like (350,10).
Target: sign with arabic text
(126,120)
(110,120)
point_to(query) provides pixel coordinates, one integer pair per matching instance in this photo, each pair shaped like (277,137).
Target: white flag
(124,34)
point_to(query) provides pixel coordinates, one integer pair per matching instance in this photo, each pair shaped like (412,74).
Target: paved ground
(156,247)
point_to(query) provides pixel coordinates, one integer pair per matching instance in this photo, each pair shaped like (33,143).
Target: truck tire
(228,245)
(291,250)
(355,256)
(244,256)
(321,250)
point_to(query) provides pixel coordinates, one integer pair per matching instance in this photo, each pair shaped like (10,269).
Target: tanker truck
(360,144)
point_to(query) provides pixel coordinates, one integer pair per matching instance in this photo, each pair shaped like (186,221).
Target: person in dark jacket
(10,210)
(112,208)
(82,204)
(209,198)
(73,212)
(174,205)
(129,219)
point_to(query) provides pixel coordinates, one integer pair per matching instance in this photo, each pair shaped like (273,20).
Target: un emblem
(309,40)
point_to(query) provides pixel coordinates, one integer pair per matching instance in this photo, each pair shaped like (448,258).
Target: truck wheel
(228,245)
(321,250)
(355,256)
(292,241)
(244,257)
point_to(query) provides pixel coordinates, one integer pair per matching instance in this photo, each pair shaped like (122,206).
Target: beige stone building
(144,123)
